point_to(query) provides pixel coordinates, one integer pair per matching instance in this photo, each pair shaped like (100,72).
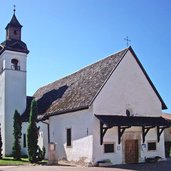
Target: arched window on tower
(15,64)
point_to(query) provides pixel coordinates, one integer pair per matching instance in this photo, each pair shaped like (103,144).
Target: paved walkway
(160,166)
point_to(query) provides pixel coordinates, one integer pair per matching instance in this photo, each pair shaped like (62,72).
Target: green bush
(32,133)
(16,150)
(35,154)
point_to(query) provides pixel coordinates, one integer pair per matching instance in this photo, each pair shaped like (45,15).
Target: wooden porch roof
(125,122)
(117,120)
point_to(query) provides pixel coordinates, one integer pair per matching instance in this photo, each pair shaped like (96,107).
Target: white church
(107,110)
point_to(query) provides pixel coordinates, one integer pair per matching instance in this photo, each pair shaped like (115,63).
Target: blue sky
(64,36)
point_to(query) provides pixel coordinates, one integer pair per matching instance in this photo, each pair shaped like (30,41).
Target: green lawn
(9,161)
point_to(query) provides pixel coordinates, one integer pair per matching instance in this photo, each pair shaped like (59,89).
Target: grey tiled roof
(14,45)
(78,90)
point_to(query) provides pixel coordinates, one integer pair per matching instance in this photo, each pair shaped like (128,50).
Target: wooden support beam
(160,129)
(121,130)
(103,131)
(145,130)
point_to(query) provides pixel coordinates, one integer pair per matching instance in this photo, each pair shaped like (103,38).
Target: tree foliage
(17,125)
(34,152)
(32,133)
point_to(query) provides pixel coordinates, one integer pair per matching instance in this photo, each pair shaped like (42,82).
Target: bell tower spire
(13,40)
(13,28)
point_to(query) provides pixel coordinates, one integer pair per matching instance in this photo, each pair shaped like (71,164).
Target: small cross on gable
(127,41)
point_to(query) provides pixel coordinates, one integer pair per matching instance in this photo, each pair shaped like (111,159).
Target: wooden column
(160,129)
(103,131)
(121,130)
(145,130)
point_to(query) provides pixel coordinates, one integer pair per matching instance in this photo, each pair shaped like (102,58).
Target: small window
(109,148)
(15,65)
(152,146)
(24,140)
(15,32)
(68,136)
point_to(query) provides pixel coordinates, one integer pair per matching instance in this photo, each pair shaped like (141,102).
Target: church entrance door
(131,151)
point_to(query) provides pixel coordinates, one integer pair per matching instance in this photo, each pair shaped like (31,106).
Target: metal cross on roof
(127,41)
(14,8)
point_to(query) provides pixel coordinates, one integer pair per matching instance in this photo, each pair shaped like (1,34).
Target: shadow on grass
(6,161)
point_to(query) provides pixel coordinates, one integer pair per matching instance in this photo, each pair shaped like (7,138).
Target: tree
(0,143)
(17,135)
(32,133)
(41,153)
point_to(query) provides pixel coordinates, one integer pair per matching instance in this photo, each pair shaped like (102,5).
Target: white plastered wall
(42,138)
(167,134)
(13,86)
(2,108)
(24,131)
(127,88)
(111,136)
(80,123)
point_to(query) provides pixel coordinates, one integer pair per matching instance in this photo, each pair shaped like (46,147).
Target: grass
(9,161)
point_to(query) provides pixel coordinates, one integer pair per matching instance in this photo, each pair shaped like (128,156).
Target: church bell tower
(13,60)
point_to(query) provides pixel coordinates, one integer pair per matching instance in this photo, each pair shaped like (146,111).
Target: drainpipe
(48,130)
